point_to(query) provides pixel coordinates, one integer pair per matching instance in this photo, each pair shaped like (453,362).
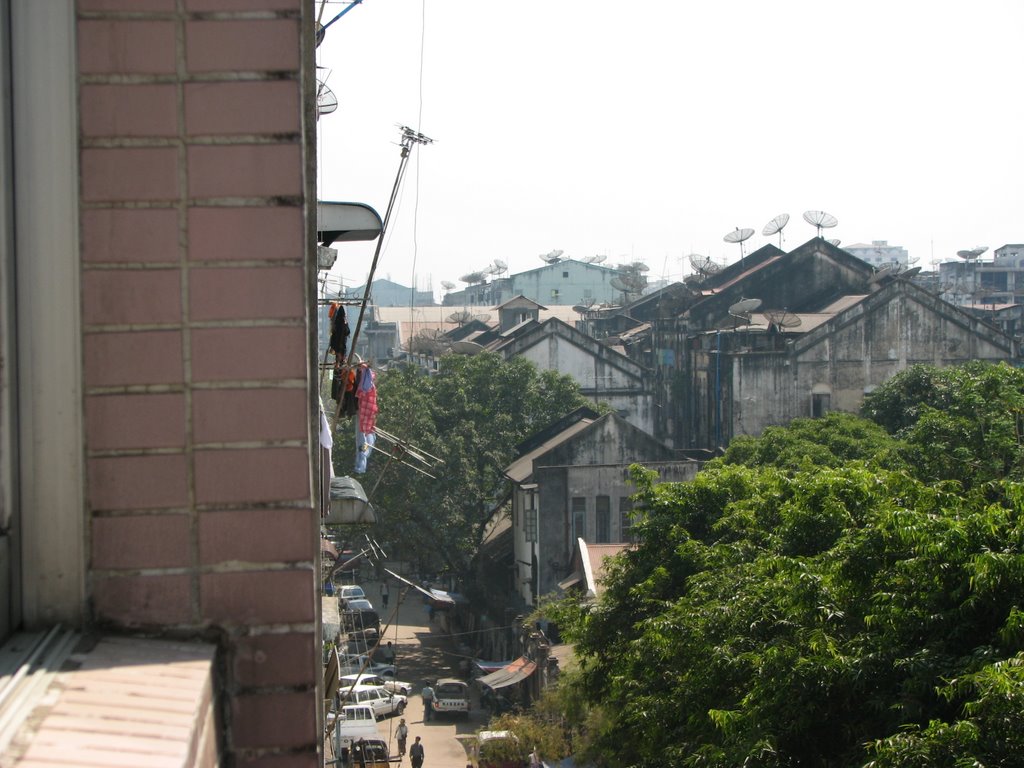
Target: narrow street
(422,653)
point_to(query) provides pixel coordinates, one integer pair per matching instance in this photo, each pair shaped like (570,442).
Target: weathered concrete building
(787,335)
(572,481)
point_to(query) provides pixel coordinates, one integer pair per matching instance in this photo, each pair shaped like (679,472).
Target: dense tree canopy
(471,414)
(839,598)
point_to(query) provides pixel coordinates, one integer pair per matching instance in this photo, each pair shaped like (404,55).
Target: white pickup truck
(351,723)
(451,697)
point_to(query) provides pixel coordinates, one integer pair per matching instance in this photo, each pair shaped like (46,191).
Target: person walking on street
(402,733)
(416,754)
(384,594)
(428,703)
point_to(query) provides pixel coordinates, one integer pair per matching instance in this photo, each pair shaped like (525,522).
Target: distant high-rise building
(878,253)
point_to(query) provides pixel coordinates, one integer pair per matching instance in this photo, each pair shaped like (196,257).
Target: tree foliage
(824,595)
(471,414)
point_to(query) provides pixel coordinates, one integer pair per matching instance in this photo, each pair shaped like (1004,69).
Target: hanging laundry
(339,329)
(366,435)
(349,404)
(338,384)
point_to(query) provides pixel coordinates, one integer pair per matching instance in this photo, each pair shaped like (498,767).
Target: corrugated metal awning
(518,670)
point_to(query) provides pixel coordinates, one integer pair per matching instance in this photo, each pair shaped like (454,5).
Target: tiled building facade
(159,452)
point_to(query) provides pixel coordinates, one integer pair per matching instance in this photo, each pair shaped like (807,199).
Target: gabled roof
(589,561)
(519,301)
(547,439)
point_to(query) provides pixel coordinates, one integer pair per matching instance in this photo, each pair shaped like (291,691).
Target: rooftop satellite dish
(501,265)
(619,284)
(461,317)
(739,236)
(589,259)
(834,241)
(968,254)
(599,259)
(581,308)
(473,277)
(326,101)
(910,272)
(882,271)
(820,220)
(783,318)
(703,264)
(447,284)
(551,257)
(466,347)
(775,226)
(744,307)
(979,250)
(639,266)
(482,317)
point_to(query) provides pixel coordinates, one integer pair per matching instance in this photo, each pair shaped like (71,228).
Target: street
(422,654)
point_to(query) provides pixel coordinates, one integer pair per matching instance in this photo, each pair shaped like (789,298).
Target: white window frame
(48,515)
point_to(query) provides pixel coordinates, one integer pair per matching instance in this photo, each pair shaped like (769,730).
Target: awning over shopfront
(518,670)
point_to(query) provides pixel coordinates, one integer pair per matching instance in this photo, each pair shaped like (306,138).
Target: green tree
(962,423)
(818,617)
(471,414)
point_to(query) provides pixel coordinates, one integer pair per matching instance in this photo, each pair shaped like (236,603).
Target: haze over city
(647,131)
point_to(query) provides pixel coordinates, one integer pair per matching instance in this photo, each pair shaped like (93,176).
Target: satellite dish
(882,271)
(619,284)
(703,264)
(639,266)
(966,254)
(589,259)
(783,318)
(473,277)
(739,236)
(551,257)
(979,250)
(820,220)
(744,307)
(581,308)
(501,265)
(834,241)
(326,101)
(600,258)
(447,284)
(461,317)
(466,347)
(481,317)
(775,226)
(910,272)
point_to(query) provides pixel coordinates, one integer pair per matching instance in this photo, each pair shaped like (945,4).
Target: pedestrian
(416,753)
(384,594)
(402,733)
(428,702)
(534,759)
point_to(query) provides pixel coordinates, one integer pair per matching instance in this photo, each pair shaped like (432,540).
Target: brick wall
(197,294)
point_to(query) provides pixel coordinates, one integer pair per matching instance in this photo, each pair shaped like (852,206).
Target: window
(530,515)
(625,519)
(604,520)
(565,274)
(579,518)
(820,404)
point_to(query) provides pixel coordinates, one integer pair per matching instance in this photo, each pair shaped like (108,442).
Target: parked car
(359,620)
(369,678)
(384,702)
(351,723)
(451,697)
(358,664)
(345,591)
(371,753)
(355,604)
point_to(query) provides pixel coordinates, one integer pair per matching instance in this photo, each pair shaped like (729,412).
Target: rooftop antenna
(739,236)
(820,220)
(321,29)
(775,227)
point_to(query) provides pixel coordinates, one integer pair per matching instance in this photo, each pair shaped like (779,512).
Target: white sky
(648,129)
